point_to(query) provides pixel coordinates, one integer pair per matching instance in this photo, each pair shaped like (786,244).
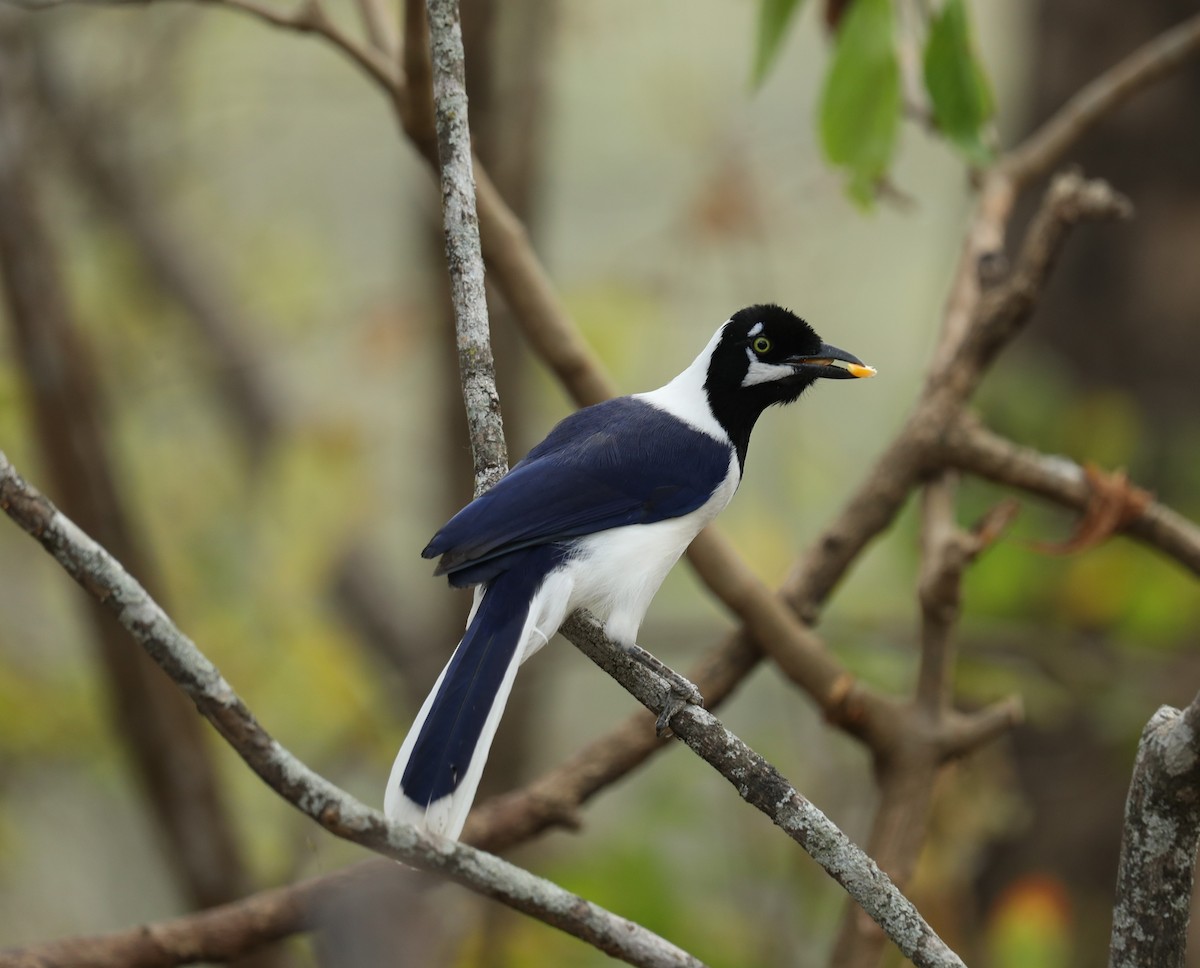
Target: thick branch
(494,825)
(910,743)
(1158,849)
(332,808)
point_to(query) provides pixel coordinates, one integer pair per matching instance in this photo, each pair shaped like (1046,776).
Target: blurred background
(234,368)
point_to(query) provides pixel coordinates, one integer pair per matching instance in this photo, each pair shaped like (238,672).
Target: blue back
(617,463)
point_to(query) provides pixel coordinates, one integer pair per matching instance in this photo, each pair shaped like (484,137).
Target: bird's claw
(681,693)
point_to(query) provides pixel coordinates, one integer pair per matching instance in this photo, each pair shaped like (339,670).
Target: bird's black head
(766,355)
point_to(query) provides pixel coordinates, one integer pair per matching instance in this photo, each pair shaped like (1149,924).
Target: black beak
(832,363)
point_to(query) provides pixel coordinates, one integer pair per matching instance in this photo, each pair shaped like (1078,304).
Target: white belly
(616,573)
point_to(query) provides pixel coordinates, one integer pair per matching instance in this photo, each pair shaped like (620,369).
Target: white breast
(616,573)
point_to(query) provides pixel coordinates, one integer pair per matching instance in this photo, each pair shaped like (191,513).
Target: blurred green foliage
(861,100)
(774,19)
(958,89)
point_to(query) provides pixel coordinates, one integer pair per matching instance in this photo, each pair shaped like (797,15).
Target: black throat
(737,409)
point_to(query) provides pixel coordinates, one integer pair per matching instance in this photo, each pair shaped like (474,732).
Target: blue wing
(620,462)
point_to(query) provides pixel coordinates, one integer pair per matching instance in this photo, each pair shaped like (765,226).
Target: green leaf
(860,105)
(958,89)
(774,16)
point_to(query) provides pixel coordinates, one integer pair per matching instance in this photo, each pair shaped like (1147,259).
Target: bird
(593,517)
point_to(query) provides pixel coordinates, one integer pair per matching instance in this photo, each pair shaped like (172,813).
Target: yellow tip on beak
(860,371)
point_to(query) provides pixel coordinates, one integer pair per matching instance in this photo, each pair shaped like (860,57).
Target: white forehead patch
(755,329)
(760,372)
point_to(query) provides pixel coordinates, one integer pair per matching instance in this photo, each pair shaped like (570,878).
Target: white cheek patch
(760,372)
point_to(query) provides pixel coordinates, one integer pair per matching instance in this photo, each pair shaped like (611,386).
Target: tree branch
(758,782)
(946,552)
(1047,146)
(1158,849)
(335,810)
(380,26)
(464,256)
(762,786)
(996,319)
(974,448)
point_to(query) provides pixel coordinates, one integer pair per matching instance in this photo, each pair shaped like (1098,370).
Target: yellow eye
(761,345)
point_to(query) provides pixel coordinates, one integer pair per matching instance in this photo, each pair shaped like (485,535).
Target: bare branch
(910,743)
(946,552)
(1158,849)
(522,280)
(309,18)
(464,257)
(757,781)
(970,446)
(762,786)
(379,22)
(962,733)
(494,825)
(998,316)
(555,798)
(216,934)
(332,808)
(1047,146)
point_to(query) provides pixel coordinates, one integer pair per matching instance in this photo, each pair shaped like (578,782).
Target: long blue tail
(437,770)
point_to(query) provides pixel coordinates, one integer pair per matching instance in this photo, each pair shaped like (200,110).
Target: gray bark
(1158,849)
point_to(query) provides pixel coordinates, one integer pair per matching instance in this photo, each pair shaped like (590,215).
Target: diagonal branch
(334,809)
(1151,62)
(997,318)
(974,448)
(379,23)
(756,780)
(308,18)
(762,786)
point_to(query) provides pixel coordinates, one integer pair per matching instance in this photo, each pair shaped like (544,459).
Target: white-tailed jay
(594,517)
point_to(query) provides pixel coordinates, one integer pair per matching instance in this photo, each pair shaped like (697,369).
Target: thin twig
(309,18)
(334,809)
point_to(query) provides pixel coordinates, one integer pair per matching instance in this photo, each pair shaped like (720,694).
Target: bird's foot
(681,692)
